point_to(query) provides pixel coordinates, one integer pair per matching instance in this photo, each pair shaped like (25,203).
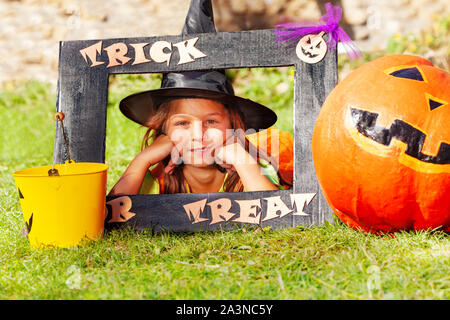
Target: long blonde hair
(175,182)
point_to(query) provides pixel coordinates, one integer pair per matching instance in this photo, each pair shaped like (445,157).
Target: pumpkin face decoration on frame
(312,48)
(381,146)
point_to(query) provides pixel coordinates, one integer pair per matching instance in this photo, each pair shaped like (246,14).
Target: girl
(197,139)
(196,127)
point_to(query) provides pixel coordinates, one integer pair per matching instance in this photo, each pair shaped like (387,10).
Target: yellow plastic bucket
(63,210)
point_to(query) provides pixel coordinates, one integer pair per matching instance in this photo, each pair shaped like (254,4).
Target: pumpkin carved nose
(434,102)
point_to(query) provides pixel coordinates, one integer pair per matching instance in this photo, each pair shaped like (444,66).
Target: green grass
(324,262)
(327,262)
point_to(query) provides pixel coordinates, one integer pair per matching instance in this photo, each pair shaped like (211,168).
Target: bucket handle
(59,116)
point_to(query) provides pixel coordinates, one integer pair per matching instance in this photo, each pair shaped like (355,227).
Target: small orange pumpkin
(279,145)
(381,146)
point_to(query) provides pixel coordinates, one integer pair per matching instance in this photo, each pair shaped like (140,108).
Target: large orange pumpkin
(381,146)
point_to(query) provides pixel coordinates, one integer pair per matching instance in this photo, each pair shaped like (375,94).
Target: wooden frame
(84,67)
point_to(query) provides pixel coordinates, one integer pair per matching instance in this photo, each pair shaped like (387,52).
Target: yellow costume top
(151,184)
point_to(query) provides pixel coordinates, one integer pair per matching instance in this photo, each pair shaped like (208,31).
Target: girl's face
(197,127)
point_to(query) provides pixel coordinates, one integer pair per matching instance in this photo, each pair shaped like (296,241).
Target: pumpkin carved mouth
(365,124)
(309,54)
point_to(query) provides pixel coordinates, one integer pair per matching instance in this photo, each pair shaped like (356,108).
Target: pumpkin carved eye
(408,73)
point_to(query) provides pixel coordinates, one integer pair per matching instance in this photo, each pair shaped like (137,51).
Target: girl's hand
(164,146)
(233,154)
(131,180)
(159,149)
(233,157)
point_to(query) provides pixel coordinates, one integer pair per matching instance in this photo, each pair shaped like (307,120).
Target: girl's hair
(175,182)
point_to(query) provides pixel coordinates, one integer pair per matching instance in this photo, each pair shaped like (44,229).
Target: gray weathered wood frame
(83,96)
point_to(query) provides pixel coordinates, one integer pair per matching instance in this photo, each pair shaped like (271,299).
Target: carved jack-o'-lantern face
(418,133)
(312,48)
(381,146)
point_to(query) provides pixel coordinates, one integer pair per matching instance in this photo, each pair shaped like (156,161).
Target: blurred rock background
(30,30)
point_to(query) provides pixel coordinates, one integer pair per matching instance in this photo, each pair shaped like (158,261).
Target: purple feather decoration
(329,23)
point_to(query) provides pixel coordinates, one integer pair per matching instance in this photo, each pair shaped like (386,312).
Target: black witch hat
(212,84)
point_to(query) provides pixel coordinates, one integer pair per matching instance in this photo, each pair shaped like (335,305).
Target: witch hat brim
(211,84)
(140,107)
